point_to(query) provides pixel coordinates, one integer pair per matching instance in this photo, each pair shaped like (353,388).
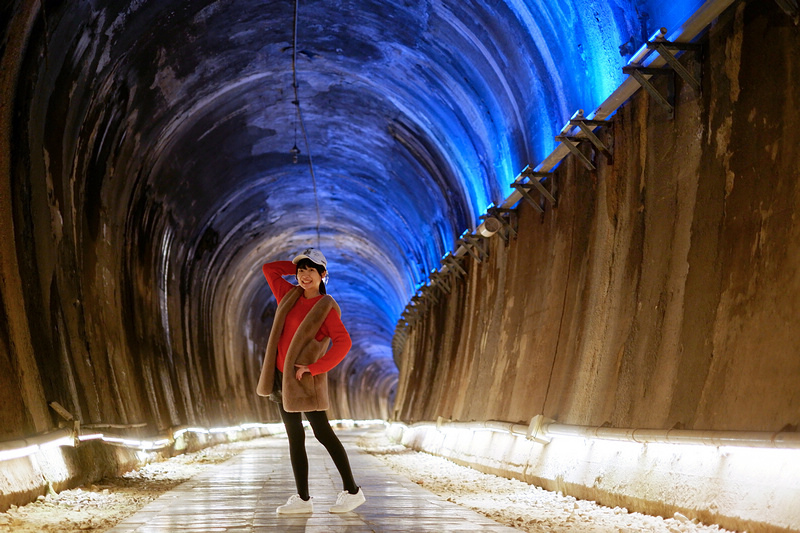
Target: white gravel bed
(518,504)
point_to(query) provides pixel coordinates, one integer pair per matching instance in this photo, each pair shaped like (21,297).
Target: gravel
(101,506)
(518,504)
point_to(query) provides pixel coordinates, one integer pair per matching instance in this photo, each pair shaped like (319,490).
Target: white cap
(314,255)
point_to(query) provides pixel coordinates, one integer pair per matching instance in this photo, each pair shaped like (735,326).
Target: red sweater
(332,327)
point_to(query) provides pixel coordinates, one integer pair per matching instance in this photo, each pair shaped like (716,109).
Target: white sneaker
(296,505)
(346,502)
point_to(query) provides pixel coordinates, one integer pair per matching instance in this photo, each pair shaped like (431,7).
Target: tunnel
(530,217)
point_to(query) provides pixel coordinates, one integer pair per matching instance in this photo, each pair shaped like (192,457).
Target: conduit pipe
(749,439)
(494,425)
(14,449)
(542,430)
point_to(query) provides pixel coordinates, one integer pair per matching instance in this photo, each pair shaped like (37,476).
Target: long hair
(308,263)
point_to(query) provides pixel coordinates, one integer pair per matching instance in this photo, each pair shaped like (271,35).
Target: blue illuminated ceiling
(418,115)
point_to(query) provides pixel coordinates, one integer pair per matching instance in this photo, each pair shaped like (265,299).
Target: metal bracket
(534,182)
(402,332)
(416,309)
(427,295)
(586,126)
(409,316)
(472,243)
(638,72)
(536,178)
(420,302)
(439,281)
(567,141)
(665,49)
(668,51)
(415,306)
(452,261)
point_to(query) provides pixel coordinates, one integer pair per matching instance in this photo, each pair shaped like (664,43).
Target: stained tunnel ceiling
(174,121)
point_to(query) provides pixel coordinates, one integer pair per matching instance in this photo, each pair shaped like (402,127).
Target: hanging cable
(296,103)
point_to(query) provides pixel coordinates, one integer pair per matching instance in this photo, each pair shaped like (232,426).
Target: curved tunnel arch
(180,183)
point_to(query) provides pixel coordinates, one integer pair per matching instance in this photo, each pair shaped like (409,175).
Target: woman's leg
(293,422)
(325,435)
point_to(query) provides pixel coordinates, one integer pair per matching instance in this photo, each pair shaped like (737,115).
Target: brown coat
(311,392)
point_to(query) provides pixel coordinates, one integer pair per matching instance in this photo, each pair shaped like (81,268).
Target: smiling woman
(310,271)
(297,362)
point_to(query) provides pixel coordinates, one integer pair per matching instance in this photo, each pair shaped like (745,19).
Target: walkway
(241,495)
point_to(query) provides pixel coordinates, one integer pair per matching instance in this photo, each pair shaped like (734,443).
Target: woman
(295,369)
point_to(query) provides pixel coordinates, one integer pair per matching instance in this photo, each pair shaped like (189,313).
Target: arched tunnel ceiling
(175,120)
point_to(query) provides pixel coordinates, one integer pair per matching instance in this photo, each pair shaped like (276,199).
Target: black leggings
(325,435)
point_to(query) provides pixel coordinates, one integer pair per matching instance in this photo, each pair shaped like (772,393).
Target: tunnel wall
(663,289)
(661,292)
(109,307)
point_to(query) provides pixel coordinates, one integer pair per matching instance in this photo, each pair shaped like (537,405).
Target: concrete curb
(738,488)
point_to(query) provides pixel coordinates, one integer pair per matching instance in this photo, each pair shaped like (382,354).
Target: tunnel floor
(241,495)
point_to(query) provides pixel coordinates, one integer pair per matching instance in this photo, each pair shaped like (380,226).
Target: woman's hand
(301,369)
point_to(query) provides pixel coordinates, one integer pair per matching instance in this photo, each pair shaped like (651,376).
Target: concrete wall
(662,291)
(111,303)
(664,288)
